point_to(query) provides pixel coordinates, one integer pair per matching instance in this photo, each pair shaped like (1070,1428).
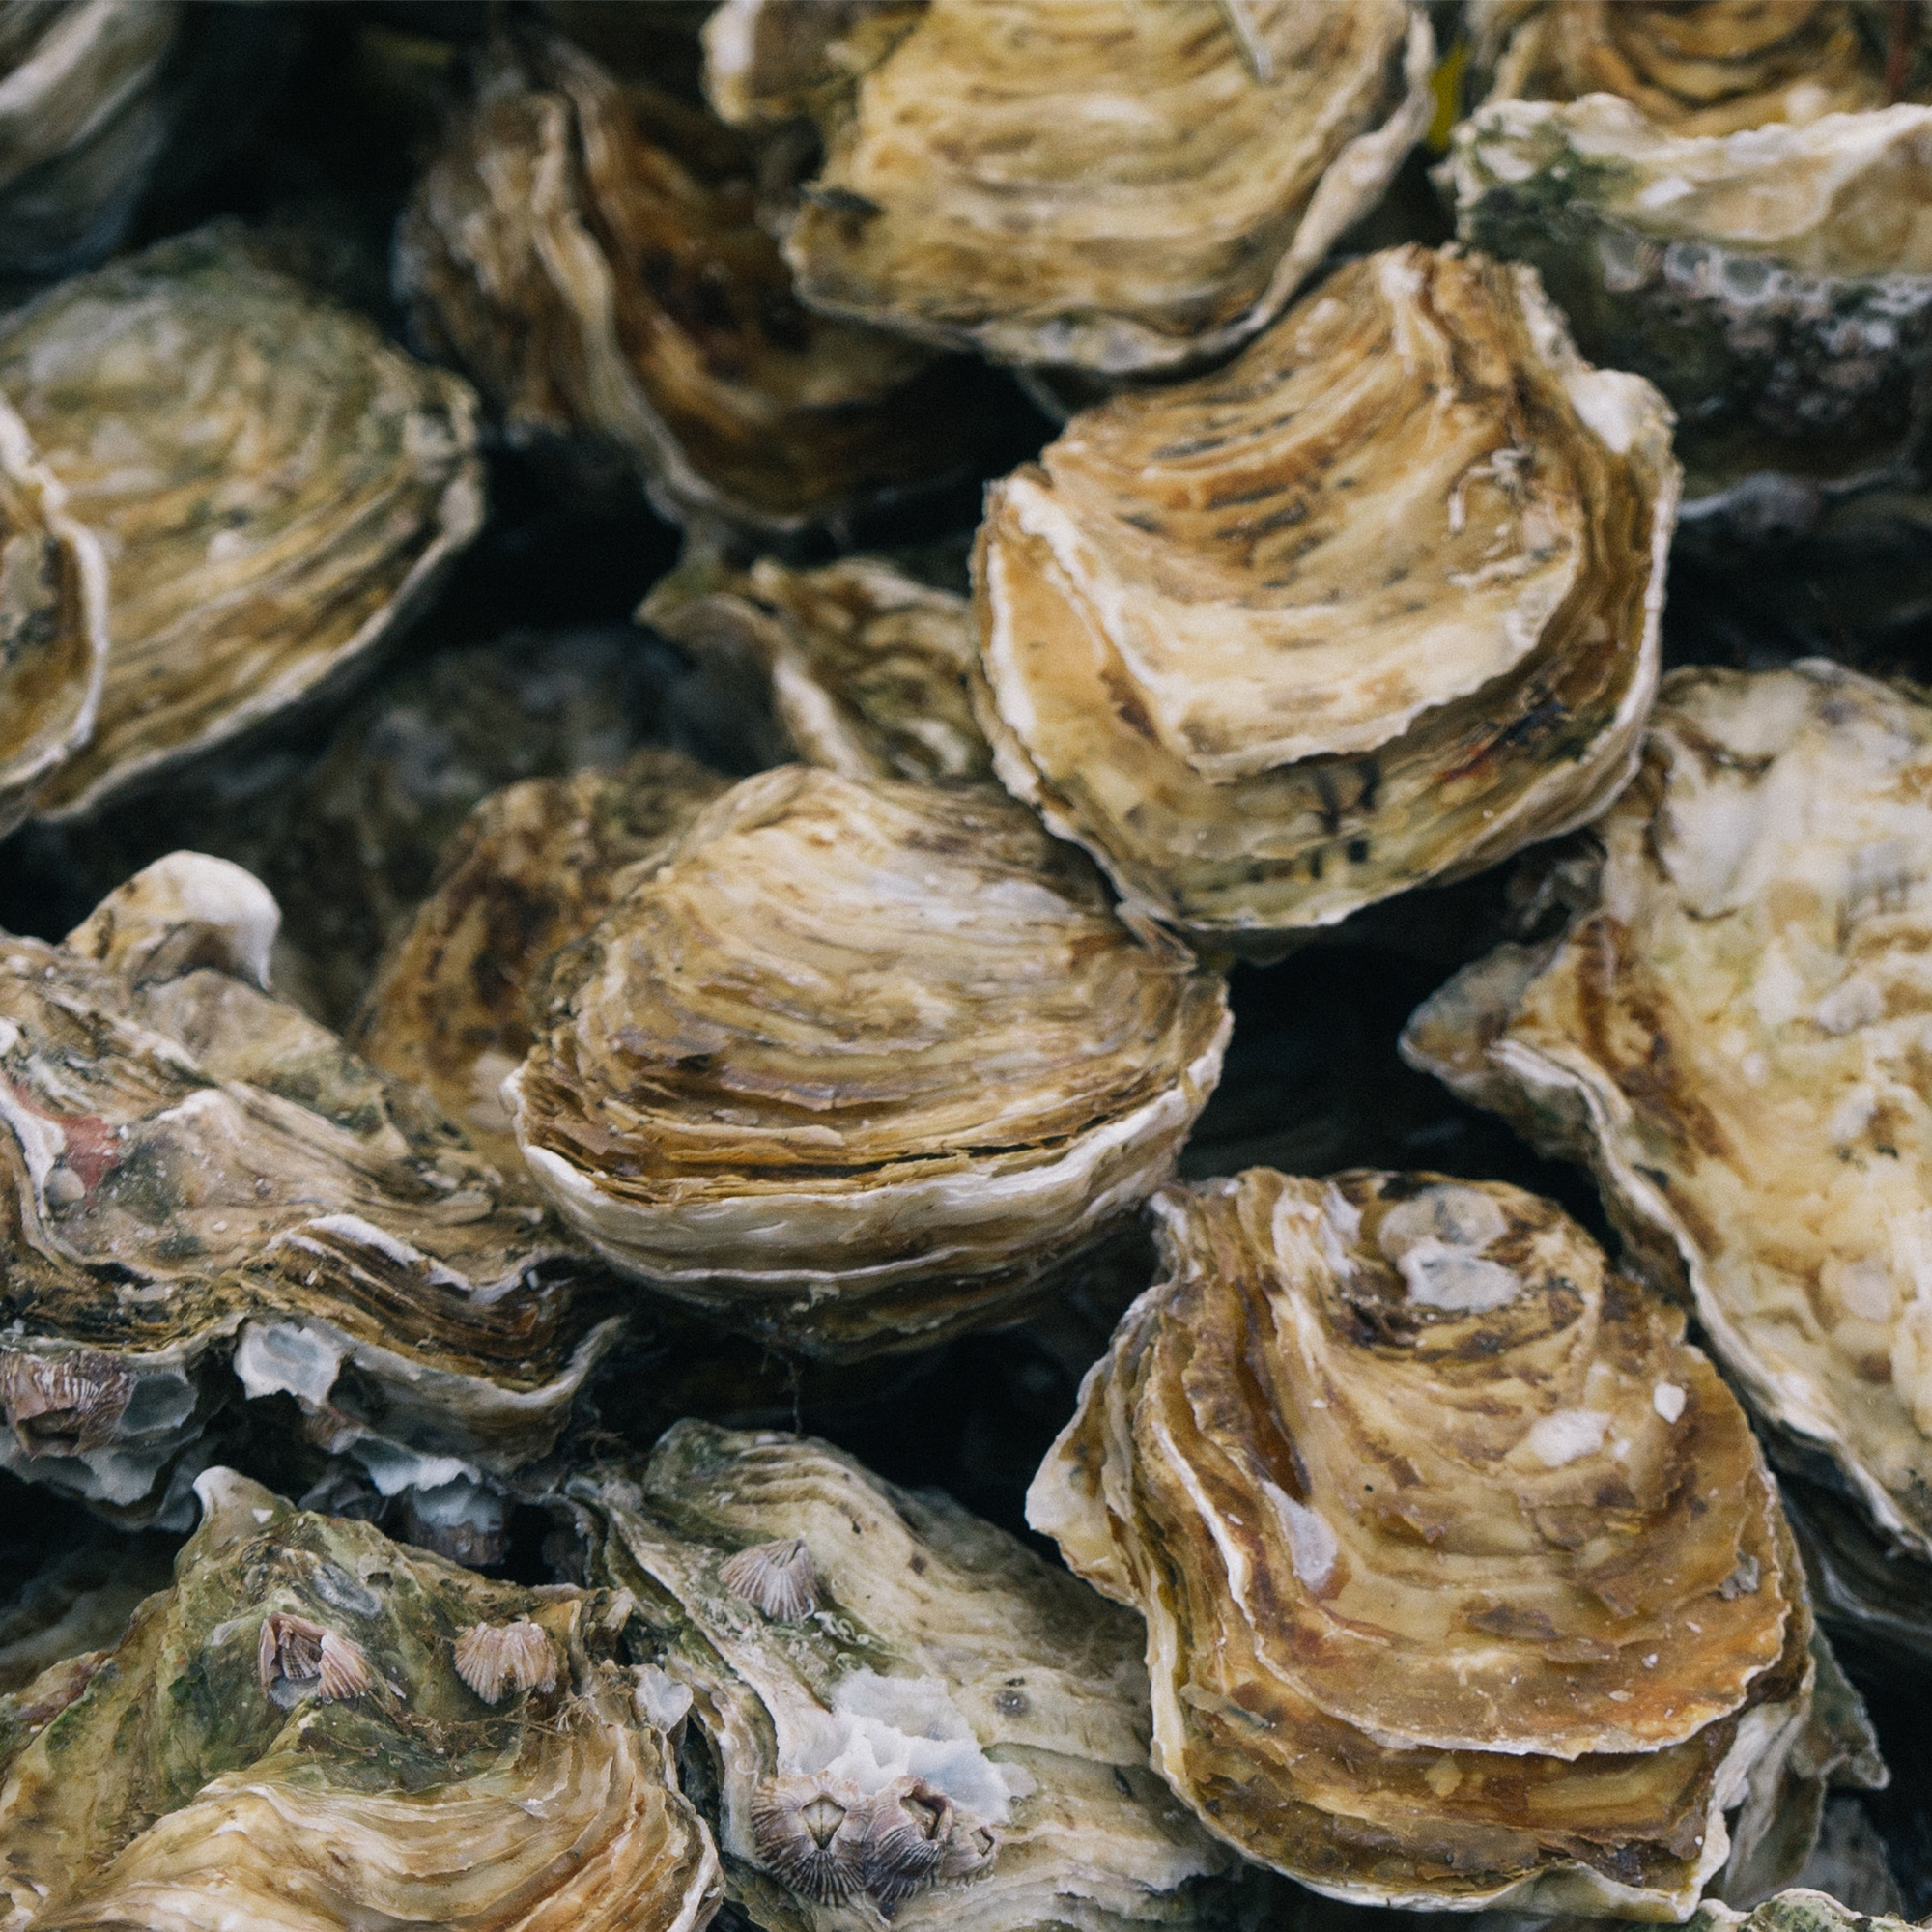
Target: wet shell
(1088,183)
(1267,684)
(297,1658)
(777,1578)
(1350,1456)
(499,1660)
(61,1405)
(978,1074)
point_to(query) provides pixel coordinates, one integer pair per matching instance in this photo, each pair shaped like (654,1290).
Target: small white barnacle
(780,1578)
(906,1840)
(497,1660)
(811,1834)
(298,1658)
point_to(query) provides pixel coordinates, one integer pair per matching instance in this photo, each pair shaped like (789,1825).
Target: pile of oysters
(965,964)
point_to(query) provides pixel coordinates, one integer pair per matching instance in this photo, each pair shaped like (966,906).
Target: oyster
(954,1736)
(1796,1910)
(861,1063)
(1464,1582)
(855,667)
(1375,605)
(588,248)
(533,870)
(276,488)
(207,1190)
(286,1737)
(1084,184)
(1729,1034)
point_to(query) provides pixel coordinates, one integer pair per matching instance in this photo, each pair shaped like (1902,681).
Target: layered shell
(588,249)
(1083,182)
(952,1734)
(1375,605)
(1464,1582)
(1730,1033)
(206,1189)
(861,1063)
(276,488)
(286,1739)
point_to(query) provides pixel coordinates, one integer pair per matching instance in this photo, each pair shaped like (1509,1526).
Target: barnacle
(498,1660)
(778,1578)
(297,1658)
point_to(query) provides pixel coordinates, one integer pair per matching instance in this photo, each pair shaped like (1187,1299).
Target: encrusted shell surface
(958,1739)
(859,1063)
(533,870)
(275,487)
(1446,1541)
(1795,1911)
(1088,183)
(1729,1034)
(217,1766)
(1375,605)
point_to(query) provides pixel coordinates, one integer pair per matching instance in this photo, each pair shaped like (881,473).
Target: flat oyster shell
(174,1791)
(1094,184)
(859,1063)
(944,1653)
(1373,605)
(533,870)
(855,665)
(588,248)
(1729,1034)
(275,487)
(206,1188)
(1445,1540)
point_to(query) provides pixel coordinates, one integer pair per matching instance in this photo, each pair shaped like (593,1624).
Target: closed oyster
(855,667)
(954,1736)
(588,248)
(533,869)
(221,1764)
(207,1189)
(861,1063)
(1375,605)
(1085,183)
(1730,1033)
(1463,1579)
(276,488)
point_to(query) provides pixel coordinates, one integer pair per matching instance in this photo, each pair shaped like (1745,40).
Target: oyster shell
(184,1785)
(1084,184)
(1446,1543)
(207,1190)
(533,869)
(956,1737)
(276,488)
(588,248)
(855,667)
(1267,684)
(1795,1911)
(1728,1034)
(859,1063)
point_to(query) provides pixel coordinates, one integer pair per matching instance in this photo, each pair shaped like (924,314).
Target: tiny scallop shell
(298,1658)
(780,1578)
(498,1659)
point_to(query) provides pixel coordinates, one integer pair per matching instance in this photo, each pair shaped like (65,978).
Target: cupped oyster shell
(1730,1033)
(533,870)
(1085,183)
(204,1188)
(588,248)
(1375,605)
(954,1734)
(855,665)
(288,1738)
(276,488)
(861,1063)
(1465,1581)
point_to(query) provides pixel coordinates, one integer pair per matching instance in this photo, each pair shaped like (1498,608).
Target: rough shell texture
(1375,605)
(859,1063)
(1094,183)
(855,667)
(1729,1034)
(1796,1910)
(958,1732)
(275,487)
(172,1789)
(1464,1579)
(531,870)
(588,248)
(200,1181)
